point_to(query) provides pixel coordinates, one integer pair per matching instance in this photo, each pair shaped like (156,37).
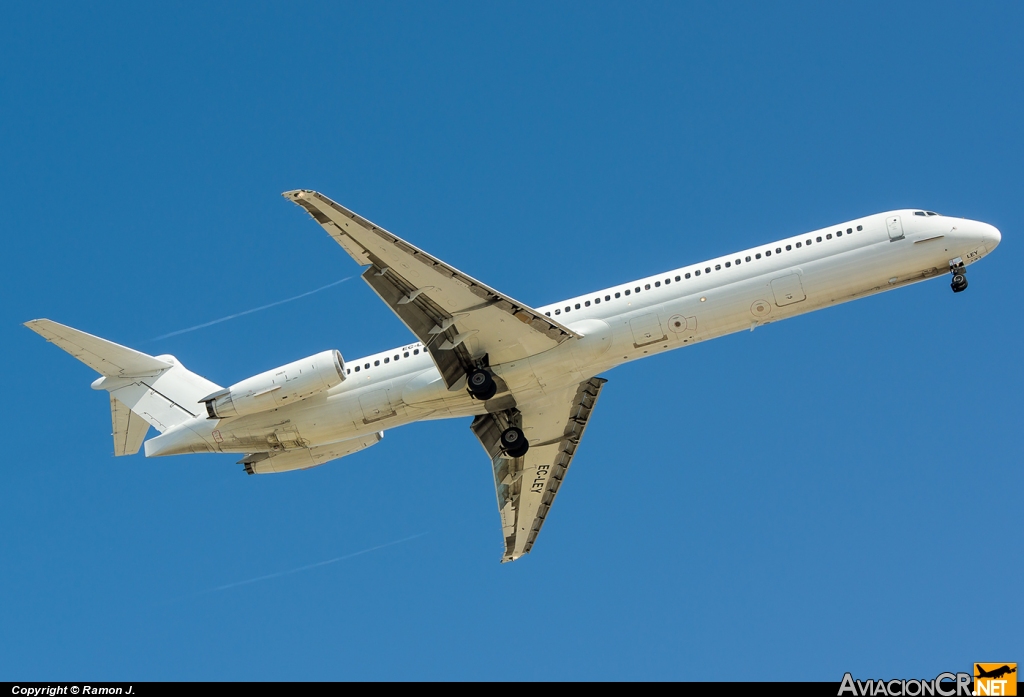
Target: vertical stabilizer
(144,390)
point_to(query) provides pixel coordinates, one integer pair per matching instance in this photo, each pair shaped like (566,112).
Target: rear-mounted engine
(278,387)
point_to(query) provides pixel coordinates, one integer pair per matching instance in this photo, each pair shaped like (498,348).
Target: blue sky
(836,492)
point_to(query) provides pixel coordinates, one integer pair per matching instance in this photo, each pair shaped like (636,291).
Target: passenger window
(646,287)
(357,369)
(778,250)
(415,352)
(839,233)
(396,356)
(667,281)
(767,252)
(758,255)
(679,279)
(577,306)
(558,312)
(608,297)
(737,261)
(748,258)
(637,289)
(387,360)
(828,236)
(859,228)
(405,355)
(818,239)
(586,304)
(616,295)
(697,272)
(548,314)
(718,267)
(798,245)
(849,230)
(567,308)
(687,275)
(789,247)
(707,269)
(367,366)
(597,301)
(348,371)
(627,291)
(376,362)
(728,264)
(657,284)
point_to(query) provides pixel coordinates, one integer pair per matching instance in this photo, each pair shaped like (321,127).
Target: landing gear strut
(513,442)
(959,271)
(481,385)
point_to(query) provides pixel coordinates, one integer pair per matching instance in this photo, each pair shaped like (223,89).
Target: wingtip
(296,194)
(35,324)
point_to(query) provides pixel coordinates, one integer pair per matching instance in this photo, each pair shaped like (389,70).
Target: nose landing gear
(959,271)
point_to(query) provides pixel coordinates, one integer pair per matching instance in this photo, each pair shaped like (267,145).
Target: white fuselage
(641,318)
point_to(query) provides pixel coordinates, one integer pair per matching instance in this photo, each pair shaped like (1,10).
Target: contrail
(247,312)
(304,568)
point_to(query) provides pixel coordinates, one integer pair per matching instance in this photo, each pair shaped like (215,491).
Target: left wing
(526,486)
(458,319)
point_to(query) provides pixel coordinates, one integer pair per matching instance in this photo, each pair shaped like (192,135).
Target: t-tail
(145,390)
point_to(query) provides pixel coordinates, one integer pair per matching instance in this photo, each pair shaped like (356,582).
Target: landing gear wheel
(959,283)
(481,385)
(513,442)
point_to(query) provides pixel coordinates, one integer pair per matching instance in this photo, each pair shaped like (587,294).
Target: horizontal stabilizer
(129,428)
(105,357)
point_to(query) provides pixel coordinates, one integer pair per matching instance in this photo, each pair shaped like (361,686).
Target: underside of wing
(458,319)
(526,486)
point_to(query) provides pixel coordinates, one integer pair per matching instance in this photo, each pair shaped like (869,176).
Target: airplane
(995,673)
(528,377)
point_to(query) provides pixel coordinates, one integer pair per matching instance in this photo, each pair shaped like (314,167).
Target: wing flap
(526,486)
(458,318)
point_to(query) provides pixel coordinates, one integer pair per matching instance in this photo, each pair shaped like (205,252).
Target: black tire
(959,284)
(481,385)
(514,443)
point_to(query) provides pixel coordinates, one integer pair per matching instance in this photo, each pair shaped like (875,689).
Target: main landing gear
(481,385)
(959,271)
(513,442)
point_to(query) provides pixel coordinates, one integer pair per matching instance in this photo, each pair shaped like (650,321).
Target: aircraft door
(376,405)
(788,290)
(647,330)
(895,227)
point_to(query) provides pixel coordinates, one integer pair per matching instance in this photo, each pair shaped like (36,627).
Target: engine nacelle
(278,387)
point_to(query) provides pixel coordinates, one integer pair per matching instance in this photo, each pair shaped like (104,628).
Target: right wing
(458,319)
(526,486)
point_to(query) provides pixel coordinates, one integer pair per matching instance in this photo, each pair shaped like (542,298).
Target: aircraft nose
(991,235)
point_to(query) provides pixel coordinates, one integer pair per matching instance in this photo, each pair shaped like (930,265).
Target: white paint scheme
(544,360)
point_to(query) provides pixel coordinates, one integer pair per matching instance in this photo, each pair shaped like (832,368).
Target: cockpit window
(920,213)
(931,212)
